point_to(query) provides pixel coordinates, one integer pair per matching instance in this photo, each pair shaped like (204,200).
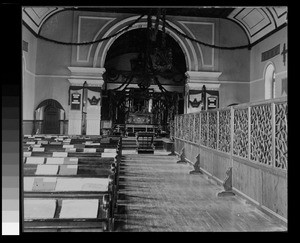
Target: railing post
(249,133)
(200,114)
(217,130)
(227,184)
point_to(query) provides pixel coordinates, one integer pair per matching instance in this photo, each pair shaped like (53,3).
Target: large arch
(186,47)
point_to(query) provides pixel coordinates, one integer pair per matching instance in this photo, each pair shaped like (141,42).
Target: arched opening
(270,82)
(101,51)
(49,118)
(130,95)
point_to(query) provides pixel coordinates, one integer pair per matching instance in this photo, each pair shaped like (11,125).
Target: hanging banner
(195,100)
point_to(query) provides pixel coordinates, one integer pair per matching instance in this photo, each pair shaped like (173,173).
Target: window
(270,82)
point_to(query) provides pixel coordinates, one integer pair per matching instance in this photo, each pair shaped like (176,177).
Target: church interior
(154,119)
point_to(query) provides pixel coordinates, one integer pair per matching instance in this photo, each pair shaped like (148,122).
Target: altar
(139,122)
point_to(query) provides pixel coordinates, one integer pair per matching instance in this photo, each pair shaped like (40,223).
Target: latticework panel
(204,127)
(261,134)
(281,135)
(212,130)
(175,127)
(186,127)
(240,138)
(178,126)
(192,127)
(224,131)
(181,126)
(171,128)
(197,128)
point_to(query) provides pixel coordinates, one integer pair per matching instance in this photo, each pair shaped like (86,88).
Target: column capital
(87,71)
(193,76)
(196,80)
(93,76)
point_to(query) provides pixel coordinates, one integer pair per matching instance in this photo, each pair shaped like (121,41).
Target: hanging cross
(284,52)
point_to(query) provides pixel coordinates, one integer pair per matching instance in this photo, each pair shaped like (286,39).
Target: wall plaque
(75,101)
(212,102)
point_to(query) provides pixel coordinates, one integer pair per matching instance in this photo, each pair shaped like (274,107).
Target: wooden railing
(250,138)
(255,131)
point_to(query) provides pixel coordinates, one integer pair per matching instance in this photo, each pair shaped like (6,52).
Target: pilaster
(91,104)
(195,99)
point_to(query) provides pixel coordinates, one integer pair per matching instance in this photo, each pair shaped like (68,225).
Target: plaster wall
(52,58)
(28,74)
(257,67)
(52,88)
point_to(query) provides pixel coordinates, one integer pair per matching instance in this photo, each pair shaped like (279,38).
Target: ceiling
(257,22)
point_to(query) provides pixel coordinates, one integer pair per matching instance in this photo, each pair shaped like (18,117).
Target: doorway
(51,120)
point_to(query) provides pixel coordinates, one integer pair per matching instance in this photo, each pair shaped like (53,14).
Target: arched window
(270,82)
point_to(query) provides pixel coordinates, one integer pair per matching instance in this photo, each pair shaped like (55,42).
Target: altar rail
(252,139)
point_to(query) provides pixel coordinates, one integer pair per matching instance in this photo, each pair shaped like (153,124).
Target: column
(195,100)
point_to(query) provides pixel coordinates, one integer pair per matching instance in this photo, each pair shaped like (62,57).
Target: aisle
(157,194)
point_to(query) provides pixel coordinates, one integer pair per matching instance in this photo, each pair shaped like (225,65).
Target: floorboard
(157,194)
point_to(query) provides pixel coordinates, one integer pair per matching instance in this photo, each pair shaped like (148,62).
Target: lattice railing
(261,134)
(241,136)
(186,127)
(192,127)
(204,128)
(281,135)
(224,135)
(254,131)
(212,129)
(197,128)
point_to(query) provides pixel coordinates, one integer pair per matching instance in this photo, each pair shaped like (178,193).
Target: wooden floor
(157,194)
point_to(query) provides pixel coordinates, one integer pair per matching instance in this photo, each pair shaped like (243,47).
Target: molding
(33,20)
(170,88)
(117,27)
(234,82)
(260,206)
(198,86)
(195,80)
(280,73)
(264,208)
(95,37)
(202,76)
(90,72)
(29,72)
(184,23)
(263,79)
(257,80)
(90,82)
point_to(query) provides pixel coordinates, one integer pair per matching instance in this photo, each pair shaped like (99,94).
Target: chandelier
(156,58)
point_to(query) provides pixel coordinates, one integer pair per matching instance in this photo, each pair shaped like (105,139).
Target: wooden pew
(63,189)
(88,166)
